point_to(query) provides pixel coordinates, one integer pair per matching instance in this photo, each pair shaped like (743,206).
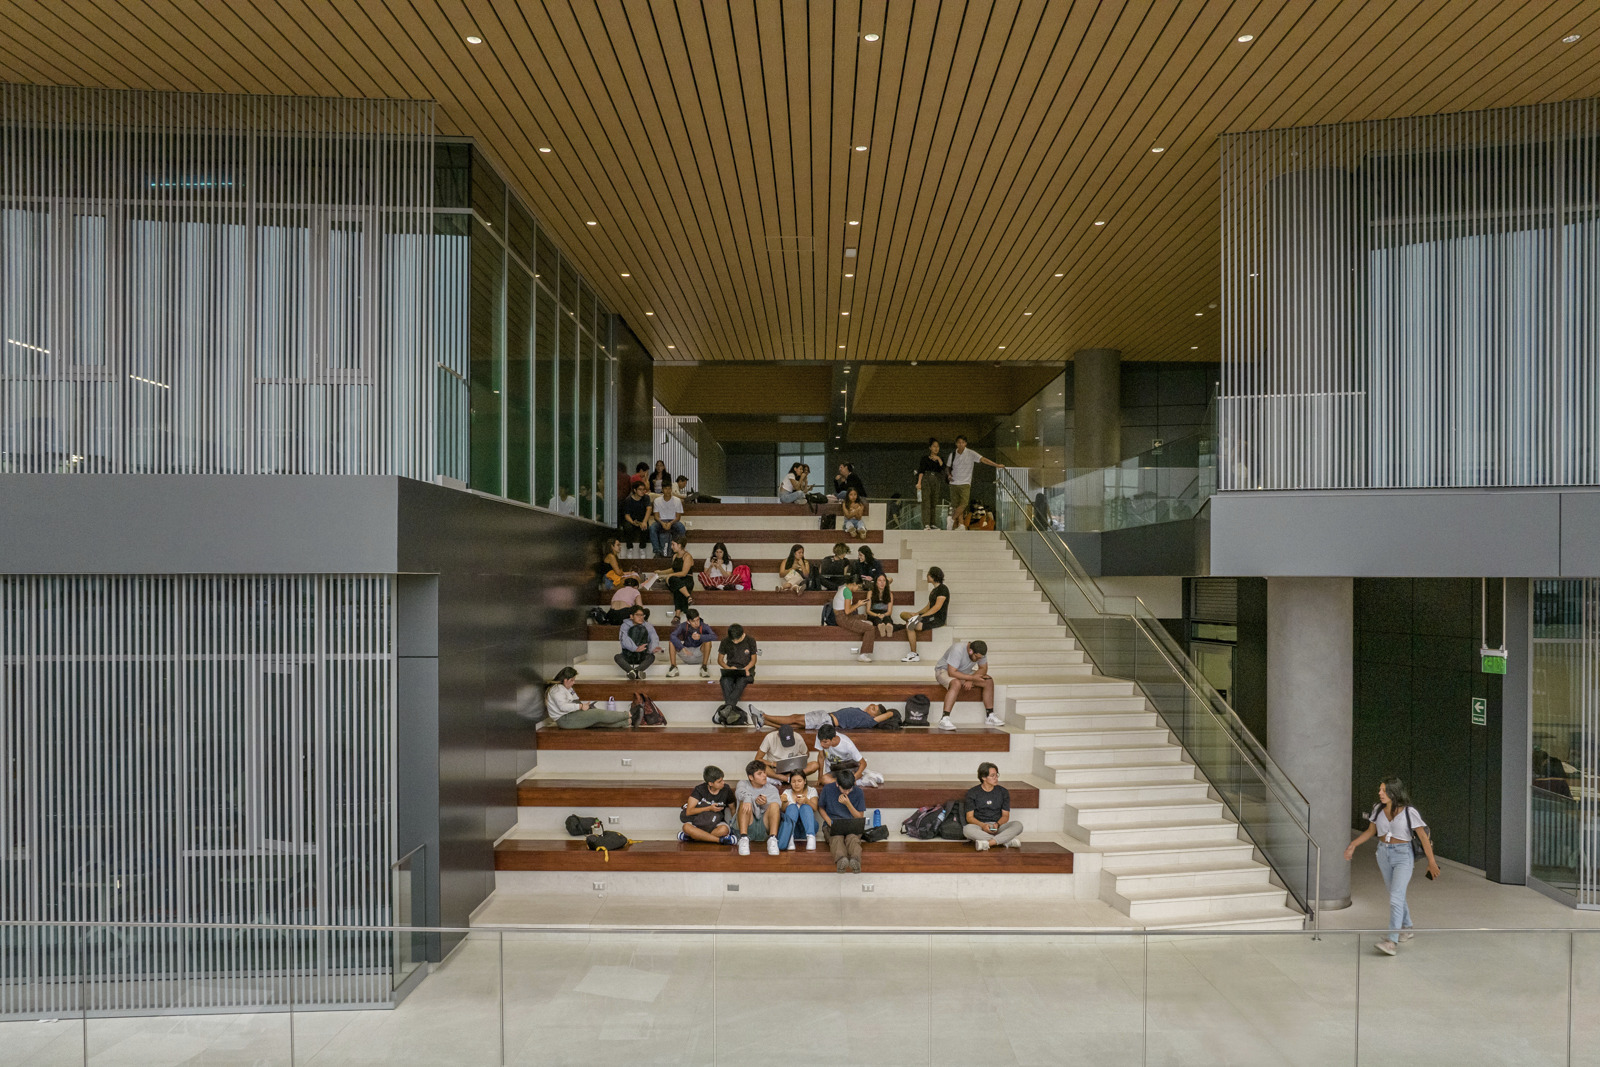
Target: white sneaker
(672,672)
(910,657)
(1387,947)
(744,846)
(757,717)
(1406,935)
(1015,842)
(811,842)
(705,672)
(793,843)
(994,720)
(864,657)
(947,723)
(983,846)
(772,846)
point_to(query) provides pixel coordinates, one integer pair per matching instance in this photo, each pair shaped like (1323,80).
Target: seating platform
(799,511)
(746,738)
(735,598)
(597,794)
(887,857)
(709,536)
(826,694)
(763,569)
(778,632)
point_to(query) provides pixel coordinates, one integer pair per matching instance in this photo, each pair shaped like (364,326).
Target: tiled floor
(845,996)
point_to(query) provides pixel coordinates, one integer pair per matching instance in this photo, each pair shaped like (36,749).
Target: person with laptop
(844,812)
(783,751)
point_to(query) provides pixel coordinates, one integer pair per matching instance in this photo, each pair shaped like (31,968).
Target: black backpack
(582,825)
(892,723)
(954,826)
(639,634)
(918,710)
(730,715)
(923,824)
(607,841)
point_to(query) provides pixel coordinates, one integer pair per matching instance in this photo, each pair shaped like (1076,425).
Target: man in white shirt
(833,749)
(564,503)
(668,509)
(961,464)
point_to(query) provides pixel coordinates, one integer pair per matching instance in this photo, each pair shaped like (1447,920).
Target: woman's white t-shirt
(806,794)
(787,485)
(1397,826)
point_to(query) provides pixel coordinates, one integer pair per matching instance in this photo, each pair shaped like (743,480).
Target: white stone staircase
(1171,855)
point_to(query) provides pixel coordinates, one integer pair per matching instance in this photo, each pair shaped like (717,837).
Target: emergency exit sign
(1480,711)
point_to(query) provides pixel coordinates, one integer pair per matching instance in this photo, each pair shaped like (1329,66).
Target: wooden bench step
(763,569)
(814,632)
(582,793)
(887,857)
(694,511)
(746,738)
(828,695)
(732,598)
(709,536)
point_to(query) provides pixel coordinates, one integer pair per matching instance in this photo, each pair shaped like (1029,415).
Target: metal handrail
(1186,670)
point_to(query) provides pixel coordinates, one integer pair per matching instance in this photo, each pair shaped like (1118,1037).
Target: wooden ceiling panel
(713,143)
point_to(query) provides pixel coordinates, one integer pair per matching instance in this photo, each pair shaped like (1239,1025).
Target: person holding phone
(1396,823)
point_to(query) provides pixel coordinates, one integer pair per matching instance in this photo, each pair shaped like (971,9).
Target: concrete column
(1310,718)
(1097,407)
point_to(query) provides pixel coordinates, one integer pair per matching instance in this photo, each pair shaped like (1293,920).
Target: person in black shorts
(929,617)
(705,813)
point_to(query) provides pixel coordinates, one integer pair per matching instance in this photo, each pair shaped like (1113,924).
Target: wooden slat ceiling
(713,144)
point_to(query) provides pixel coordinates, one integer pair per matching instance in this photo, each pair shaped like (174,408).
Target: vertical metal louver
(195,749)
(1215,600)
(202,284)
(1413,302)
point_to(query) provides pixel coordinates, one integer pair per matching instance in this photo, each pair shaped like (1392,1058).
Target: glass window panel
(519,231)
(586,304)
(569,289)
(547,261)
(485,376)
(586,413)
(451,288)
(567,419)
(452,173)
(545,406)
(488,194)
(519,384)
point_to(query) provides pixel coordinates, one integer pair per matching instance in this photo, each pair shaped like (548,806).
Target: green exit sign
(1494,662)
(1480,711)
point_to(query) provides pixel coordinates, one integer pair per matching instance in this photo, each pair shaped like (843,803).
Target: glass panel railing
(1123,639)
(599,994)
(408,908)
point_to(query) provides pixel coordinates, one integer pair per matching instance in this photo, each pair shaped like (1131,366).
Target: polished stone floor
(948,995)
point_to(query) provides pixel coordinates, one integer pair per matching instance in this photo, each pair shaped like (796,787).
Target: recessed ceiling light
(1246,38)
(849,275)
(672,346)
(1060,275)
(649,312)
(1194,348)
(869,37)
(861,148)
(841,390)
(913,363)
(844,312)
(627,275)
(1197,314)
(591,222)
(1097,222)
(1254,275)
(855,222)
(1158,149)
(1000,346)
(474,40)
(544,148)
(1027,313)
(841,346)
(1572,38)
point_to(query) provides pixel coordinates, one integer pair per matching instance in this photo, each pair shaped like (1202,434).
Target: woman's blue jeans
(796,813)
(1396,862)
(795,497)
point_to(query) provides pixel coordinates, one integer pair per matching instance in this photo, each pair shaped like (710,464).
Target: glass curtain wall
(526,363)
(1565,830)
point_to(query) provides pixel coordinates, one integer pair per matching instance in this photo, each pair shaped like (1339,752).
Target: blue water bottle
(877,817)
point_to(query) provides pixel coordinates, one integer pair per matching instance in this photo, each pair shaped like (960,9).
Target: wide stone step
(1100,757)
(1199,904)
(1147,812)
(745,739)
(1078,739)
(1126,792)
(1084,713)
(1281,918)
(1092,776)
(1169,833)
(763,561)
(1186,876)
(1149,855)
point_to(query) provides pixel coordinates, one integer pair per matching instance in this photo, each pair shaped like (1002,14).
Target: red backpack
(645,713)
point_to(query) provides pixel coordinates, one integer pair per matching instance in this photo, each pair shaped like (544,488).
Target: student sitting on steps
(965,665)
(799,811)
(841,799)
(931,616)
(705,813)
(989,821)
(623,601)
(837,570)
(794,573)
(850,613)
(639,644)
(783,751)
(561,703)
(835,754)
(759,809)
(688,642)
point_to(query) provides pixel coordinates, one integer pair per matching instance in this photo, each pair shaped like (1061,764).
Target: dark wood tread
(762,634)
(886,857)
(582,793)
(798,510)
(709,536)
(763,569)
(744,598)
(746,738)
(828,695)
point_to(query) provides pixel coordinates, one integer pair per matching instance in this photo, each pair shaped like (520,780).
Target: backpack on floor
(607,842)
(582,825)
(875,833)
(730,715)
(923,824)
(954,825)
(918,710)
(645,713)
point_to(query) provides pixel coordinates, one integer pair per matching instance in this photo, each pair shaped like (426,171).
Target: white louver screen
(194,749)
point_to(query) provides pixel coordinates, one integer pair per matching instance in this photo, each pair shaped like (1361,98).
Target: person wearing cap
(782,750)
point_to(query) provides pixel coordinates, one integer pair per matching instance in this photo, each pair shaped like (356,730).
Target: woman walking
(1396,823)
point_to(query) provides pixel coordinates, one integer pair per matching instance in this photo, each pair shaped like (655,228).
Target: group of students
(760,809)
(948,476)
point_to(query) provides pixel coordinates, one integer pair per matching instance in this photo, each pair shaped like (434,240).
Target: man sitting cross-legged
(704,815)
(842,800)
(759,808)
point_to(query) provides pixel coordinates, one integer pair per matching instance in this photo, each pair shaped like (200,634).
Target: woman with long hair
(794,573)
(722,573)
(854,510)
(659,478)
(867,565)
(792,490)
(562,705)
(877,601)
(680,577)
(1396,825)
(611,552)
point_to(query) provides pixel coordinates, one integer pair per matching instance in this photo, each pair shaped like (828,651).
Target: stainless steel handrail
(1231,726)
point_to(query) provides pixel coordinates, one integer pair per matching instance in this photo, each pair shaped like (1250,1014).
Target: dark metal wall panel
(1413,302)
(195,749)
(206,284)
